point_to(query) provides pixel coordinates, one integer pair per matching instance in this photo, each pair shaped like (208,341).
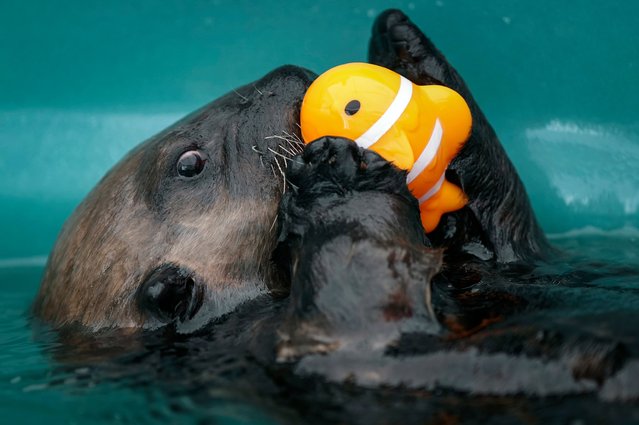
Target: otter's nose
(170,293)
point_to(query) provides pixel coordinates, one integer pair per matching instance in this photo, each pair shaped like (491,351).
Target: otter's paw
(333,165)
(336,185)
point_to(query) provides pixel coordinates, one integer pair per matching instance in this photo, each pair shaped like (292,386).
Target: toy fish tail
(449,198)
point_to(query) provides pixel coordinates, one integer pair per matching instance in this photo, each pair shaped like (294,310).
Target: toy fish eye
(190,164)
(352,107)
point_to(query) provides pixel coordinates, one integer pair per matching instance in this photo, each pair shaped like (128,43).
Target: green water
(82,82)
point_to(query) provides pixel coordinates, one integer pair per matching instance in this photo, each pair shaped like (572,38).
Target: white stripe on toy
(429,152)
(433,190)
(390,117)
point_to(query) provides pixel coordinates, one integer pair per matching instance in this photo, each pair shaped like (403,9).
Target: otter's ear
(170,293)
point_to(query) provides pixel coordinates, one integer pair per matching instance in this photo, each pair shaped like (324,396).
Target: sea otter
(183,228)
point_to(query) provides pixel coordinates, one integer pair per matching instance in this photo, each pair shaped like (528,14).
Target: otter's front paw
(334,165)
(336,185)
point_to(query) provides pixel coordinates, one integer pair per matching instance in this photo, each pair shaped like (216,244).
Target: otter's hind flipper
(482,166)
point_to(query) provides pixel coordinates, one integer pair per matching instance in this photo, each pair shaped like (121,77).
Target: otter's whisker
(292,185)
(286,158)
(292,154)
(296,144)
(257,90)
(244,98)
(273,224)
(286,136)
(283,175)
(292,139)
(296,147)
(294,136)
(260,153)
(277,136)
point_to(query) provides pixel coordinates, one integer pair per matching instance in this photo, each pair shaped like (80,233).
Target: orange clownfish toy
(418,128)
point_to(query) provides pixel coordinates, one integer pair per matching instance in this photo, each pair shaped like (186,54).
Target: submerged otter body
(382,324)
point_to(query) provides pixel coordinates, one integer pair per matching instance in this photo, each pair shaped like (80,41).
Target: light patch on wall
(592,168)
(61,154)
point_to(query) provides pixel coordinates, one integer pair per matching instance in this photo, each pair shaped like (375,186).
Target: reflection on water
(212,377)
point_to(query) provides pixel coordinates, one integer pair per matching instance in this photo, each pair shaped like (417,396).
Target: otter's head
(182,229)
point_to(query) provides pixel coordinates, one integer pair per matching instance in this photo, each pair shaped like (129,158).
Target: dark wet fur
(358,254)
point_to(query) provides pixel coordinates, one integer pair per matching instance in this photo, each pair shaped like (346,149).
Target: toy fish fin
(449,198)
(453,112)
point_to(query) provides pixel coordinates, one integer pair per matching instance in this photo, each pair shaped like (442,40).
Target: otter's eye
(190,164)
(352,107)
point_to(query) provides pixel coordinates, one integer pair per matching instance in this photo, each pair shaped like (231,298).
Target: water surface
(41,380)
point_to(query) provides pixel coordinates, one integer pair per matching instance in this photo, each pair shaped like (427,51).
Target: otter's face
(182,229)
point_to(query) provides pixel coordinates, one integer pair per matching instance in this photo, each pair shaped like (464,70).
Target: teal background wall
(82,82)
